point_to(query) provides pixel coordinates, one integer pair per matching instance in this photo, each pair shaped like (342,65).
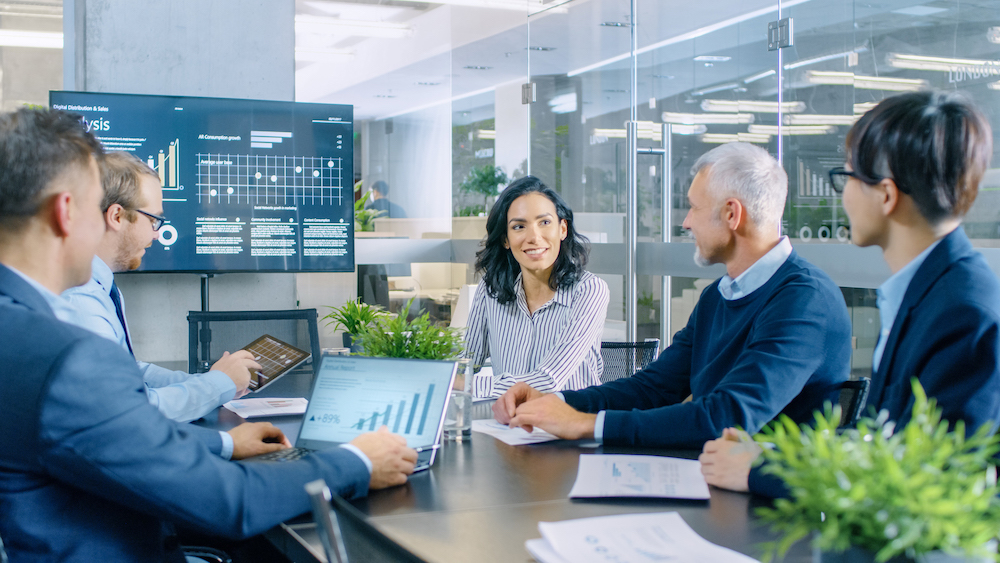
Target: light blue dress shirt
(731,289)
(889,298)
(178,395)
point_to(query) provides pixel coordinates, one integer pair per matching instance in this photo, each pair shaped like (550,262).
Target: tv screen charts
(247,185)
(354,397)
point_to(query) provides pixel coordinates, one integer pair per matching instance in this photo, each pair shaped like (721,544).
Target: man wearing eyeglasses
(133,209)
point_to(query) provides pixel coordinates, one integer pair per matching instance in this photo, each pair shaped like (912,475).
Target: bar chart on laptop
(346,403)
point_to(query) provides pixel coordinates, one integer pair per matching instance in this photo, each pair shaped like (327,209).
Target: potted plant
(393,336)
(486,181)
(353,317)
(877,493)
(364,219)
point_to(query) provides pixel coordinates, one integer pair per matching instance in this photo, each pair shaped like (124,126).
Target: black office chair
(345,533)
(213,332)
(622,359)
(207,554)
(853,395)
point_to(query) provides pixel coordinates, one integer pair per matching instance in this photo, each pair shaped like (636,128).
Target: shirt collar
(60,307)
(562,296)
(101,273)
(891,292)
(757,274)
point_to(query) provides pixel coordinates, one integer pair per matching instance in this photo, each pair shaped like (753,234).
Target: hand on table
(726,462)
(504,407)
(552,414)
(237,366)
(255,438)
(391,460)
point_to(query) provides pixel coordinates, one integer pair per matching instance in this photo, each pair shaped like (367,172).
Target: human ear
(114,217)
(732,213)
(563,229)
(888,194)
(63,213)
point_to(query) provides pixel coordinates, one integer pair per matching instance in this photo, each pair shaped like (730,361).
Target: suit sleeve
(779,358)
(190,396)
(102,435)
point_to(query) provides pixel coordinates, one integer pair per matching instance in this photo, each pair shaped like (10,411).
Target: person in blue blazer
(89,470)
(913,171)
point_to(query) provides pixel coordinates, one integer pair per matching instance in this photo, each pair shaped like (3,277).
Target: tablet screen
(275,357)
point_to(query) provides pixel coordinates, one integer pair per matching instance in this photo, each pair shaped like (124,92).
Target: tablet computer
(275,357)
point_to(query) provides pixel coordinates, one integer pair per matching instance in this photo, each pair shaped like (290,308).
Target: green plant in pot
(879,493)
(486,181)
(393,336)
(353,317)
(364,219)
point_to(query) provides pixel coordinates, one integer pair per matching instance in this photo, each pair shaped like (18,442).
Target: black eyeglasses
(839,177)
(156,219)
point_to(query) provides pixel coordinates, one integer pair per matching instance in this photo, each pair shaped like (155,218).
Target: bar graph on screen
(383,416)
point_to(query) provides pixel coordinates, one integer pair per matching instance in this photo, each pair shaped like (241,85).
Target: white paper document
(250,408)
(638,476)
(511,436)
(629,538)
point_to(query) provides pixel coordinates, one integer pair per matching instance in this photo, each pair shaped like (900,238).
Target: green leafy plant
(394,336)
(486,181)
(890,491)
(353,316)
(364,219)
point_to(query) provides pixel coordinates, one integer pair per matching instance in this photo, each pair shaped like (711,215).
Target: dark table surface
(483,499)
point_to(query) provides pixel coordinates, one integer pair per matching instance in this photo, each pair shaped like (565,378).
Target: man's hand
(255,438)
(237,366)
(504,407)
(726,462)
(391,460)
(552,414)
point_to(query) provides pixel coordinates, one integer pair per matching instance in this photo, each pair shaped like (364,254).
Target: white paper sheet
(629,538)
(511,436)
(251,408)
(638,476)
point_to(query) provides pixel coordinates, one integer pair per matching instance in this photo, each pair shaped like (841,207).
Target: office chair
(207,554)
(210,333)
(853,395)
(622,359)
(346,535)
(3,552)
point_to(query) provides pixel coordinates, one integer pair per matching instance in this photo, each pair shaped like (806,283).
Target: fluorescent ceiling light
(487,133)
(712,58)
(752,106)
(758,76)
(865,82)
(723,138)
(863,107)
(38,39)
(651,131)
(942,64)
(563,103)
(824,58)
(919,11)
(818,119)
(695,118)
(523,6)
(792,129)
(318,55)
(686,36)
(714,89)
(322,25)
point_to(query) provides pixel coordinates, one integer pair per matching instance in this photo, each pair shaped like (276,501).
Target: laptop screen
(353,395)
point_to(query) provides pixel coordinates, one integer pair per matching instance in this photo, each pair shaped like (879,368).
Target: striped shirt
(556,348)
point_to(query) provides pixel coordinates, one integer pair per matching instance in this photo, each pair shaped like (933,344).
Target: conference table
(483,499)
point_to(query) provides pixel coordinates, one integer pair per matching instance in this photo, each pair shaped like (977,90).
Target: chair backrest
(622,359)
(210,333)
(345,533)
(853,395)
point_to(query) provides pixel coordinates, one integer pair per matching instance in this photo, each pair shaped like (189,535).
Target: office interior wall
(215,48)
(511,128)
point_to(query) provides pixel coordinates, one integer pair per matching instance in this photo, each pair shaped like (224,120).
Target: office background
(437,89)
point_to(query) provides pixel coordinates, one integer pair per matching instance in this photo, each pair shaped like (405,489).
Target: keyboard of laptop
(287,454)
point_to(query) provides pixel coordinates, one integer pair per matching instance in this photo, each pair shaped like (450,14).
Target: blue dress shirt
(890,297)
(731,289)
(178,395)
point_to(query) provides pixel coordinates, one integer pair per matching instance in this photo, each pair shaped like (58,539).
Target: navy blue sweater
(784,348)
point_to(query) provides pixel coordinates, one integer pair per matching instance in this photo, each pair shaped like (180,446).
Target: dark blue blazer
(90,471)
(947,335)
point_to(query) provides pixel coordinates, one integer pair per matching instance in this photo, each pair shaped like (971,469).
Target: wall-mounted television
(248,185)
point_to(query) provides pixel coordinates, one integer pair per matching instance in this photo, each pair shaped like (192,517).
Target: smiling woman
(537,313)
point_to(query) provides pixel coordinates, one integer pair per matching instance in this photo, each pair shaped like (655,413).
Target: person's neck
(107,254)
(906,240)
(536,287)
(36,257)
(747,250)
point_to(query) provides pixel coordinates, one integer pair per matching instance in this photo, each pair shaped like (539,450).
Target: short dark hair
(935,145)
(120,173)
(381,187)
(36,146)
(497,264)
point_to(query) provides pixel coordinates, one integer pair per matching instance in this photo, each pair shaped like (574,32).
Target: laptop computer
(352,395)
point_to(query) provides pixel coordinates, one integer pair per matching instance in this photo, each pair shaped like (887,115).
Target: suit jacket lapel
(952,247)
(21,292)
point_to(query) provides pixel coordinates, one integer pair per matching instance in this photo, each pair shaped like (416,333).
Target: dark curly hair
(497,264)
(934,145)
